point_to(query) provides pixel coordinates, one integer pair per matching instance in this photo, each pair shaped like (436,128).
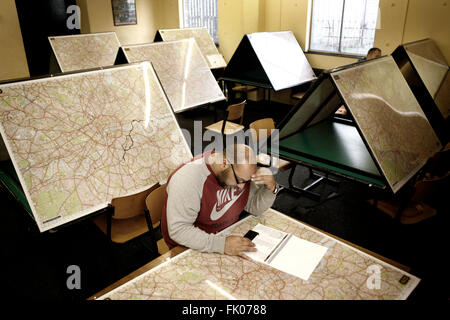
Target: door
(39,20)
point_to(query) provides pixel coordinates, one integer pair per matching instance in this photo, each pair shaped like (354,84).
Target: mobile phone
(251,234)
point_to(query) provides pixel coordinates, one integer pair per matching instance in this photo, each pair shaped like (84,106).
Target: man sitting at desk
(207,194)
(373,53)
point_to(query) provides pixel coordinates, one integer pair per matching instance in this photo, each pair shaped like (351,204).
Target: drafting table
(188,274)
(78,140)
(83,51)
(269,60)
(388,140)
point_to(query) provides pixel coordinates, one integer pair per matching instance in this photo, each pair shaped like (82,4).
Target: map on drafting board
(79,140)
(85,51)
(344,273)
(389,117)
(271,59)
(182,70)
(204,41)
(433,70)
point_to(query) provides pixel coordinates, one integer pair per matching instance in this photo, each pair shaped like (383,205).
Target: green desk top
(335,146)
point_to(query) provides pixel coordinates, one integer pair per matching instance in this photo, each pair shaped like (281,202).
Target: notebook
(284,251)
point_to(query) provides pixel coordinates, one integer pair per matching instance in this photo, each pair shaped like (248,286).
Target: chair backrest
(132,205)
(236,111)
(261,124)
(155,203)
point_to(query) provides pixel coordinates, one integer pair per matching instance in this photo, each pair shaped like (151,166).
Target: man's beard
(221,177)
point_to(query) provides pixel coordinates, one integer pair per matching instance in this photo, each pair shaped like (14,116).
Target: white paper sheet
(299,257)
(288,253)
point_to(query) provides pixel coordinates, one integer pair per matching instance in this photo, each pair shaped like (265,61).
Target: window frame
(182,23)
(331,53)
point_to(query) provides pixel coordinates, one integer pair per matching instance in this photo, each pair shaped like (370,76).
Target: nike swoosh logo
(215,215)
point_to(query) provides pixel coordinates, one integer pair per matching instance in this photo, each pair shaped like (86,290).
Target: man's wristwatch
(277,188)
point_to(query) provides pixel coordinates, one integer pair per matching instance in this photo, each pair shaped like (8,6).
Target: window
(201,13)
(343,26)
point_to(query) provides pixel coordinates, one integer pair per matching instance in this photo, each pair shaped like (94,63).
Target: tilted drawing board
(182,70)
(77,141)
(204,41)
(427,73)
(85,51)
(385,113)
(271,60)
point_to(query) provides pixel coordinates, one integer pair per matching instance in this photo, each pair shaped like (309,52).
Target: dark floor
(34,266)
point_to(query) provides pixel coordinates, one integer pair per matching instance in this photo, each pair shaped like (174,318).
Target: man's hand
(234,245)
(265,177)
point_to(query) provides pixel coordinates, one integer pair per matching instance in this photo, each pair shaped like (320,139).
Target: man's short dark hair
(373,50)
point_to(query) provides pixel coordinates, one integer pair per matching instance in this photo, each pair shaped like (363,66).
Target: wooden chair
(268,125)
(128,220)
(233,112)
(298,95)
(280,164)
(154,203)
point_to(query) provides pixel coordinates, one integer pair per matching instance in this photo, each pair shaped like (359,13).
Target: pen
(274,249)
